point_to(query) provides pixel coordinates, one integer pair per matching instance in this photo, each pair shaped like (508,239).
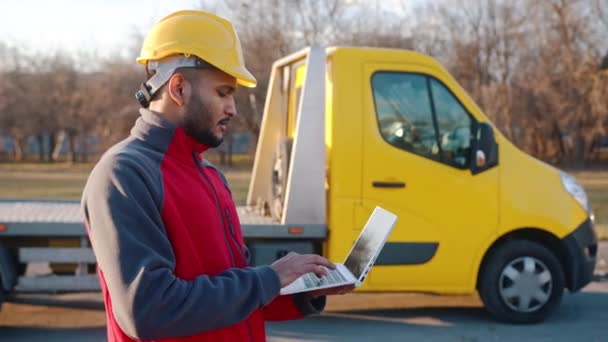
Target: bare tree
(531,65)
(539,69)
(24,102)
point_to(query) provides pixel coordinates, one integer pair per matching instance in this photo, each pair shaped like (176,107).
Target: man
(161,220)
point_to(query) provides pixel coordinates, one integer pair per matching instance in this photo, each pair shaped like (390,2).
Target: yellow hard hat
(201,34)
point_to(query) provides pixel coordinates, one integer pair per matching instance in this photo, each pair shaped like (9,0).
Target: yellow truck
(346,129)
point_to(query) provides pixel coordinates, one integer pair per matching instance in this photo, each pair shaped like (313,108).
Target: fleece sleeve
(122,213)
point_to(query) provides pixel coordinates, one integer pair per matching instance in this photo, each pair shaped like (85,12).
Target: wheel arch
(541,236)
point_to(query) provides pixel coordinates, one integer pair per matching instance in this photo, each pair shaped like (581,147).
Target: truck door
(416,163)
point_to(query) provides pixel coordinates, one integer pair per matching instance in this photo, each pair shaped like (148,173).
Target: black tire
(521,282)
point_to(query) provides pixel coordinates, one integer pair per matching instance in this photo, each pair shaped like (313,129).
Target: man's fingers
(309,259)
(326,263)
(340,290)
(318,265)
(295,265)
(319,260)
(320,271)
(290,255)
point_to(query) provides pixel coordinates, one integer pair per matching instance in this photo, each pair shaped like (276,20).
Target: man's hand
(294,265)
(339,290)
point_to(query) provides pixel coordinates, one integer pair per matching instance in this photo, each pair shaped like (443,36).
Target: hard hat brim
(242,75)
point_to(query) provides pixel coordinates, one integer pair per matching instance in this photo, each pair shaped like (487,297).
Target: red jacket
(168,241)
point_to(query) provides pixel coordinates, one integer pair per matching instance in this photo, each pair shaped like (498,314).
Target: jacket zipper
(234,239)
(242,251)
(219,208)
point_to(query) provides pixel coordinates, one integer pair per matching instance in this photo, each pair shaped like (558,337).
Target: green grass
(65,181)
(32,180)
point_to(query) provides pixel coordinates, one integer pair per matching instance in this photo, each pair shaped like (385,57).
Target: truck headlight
(576,190)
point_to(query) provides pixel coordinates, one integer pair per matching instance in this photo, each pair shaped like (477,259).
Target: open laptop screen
(370,240)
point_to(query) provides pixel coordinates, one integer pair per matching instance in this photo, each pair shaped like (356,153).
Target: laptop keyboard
(333,277)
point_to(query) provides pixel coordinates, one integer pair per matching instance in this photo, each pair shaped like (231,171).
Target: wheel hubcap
(525,284)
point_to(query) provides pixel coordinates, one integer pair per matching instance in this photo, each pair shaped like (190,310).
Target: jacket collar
(160,133)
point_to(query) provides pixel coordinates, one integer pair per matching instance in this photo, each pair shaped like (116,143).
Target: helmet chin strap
(163,70)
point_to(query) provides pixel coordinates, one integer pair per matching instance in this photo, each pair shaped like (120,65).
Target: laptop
(359,261)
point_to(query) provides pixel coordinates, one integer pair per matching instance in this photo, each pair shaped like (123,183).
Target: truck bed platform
(64,219)
(56,218)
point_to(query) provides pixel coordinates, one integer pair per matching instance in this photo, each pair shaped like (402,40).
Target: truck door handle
(394,185)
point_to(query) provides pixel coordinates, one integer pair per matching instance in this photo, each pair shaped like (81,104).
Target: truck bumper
(581,255)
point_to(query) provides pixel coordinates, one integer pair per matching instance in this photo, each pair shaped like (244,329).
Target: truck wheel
(521,282)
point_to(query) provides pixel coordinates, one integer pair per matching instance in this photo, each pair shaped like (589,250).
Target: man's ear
(179,89)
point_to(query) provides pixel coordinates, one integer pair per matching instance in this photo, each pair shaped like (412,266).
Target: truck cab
(346,129)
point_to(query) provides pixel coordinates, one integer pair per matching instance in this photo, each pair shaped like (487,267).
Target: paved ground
(581,317)
(355,317)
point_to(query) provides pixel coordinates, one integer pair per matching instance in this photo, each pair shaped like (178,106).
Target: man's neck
(169,114)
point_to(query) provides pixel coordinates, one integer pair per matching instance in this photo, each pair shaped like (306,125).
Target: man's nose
(231,108)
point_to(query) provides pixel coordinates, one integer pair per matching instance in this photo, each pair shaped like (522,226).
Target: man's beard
(198,123)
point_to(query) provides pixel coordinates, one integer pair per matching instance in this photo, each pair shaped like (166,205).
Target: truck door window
(454,125)
(404,113)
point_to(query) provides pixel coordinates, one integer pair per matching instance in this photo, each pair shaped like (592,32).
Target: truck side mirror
(485,151)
